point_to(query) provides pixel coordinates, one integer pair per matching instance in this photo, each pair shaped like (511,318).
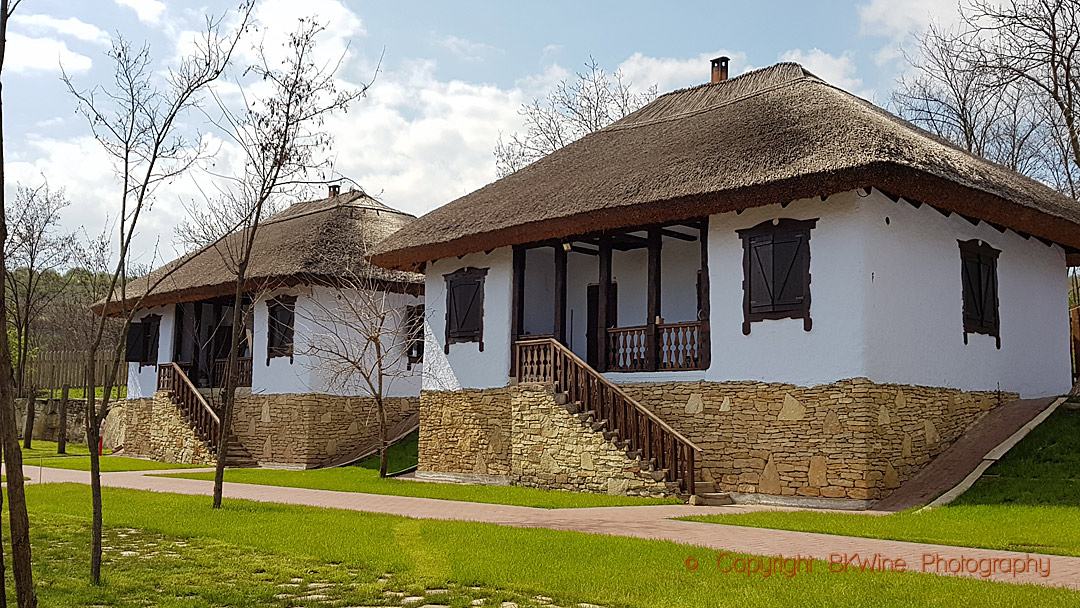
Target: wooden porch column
(517,300)
(652,347)
(603,291)
(704,310)
(560,294)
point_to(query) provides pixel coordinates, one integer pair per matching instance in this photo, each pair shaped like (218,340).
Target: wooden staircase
(599,404)
(202,418)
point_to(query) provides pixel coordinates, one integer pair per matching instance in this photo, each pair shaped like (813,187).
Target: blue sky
(452,79)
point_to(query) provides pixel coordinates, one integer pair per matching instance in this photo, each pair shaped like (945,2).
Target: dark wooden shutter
(465,306)
(978,268)
(761,274)
(280,320)
(152,332)
(789,270)
(135,340)
(776,271)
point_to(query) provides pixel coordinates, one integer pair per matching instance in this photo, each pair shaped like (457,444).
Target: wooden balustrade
(678,347)
(203,419)
(243,372)
(549,362)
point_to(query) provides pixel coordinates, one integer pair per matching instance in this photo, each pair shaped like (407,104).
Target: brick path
(966,453)
(650,522)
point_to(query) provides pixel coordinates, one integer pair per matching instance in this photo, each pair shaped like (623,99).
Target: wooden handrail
(194,408)
(644,431)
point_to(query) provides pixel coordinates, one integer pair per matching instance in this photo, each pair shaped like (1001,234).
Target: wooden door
(592,313)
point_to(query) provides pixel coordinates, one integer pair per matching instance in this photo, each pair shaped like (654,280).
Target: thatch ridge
(781,135)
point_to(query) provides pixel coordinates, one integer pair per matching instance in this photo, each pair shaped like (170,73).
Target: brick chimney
(719,69)
(335,189)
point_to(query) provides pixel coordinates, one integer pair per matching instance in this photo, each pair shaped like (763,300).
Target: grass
(180,552)
(1028,501)
(109,464)
(365,478)
(360,479)
(47,449)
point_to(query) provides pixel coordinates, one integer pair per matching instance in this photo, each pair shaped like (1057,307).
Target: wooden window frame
(982,254)
(778,227)
(456,336)
(274,351)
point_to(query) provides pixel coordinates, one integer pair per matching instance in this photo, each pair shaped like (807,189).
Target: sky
(452,78)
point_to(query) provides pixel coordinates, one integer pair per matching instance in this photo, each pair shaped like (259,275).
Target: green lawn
(109,464)
(360,479)
(118,392)
(47,449)
(365,478)
(172,550)
(1028,501)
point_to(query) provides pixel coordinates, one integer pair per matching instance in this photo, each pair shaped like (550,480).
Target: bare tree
(18,520)
(284,148)
(138,125)
(592,100)
(369,334)
(37,254)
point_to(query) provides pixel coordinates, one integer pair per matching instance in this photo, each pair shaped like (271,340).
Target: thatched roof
(769,136)
(310,242)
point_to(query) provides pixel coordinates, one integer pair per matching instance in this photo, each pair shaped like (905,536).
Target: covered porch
(633,300)
(202,334)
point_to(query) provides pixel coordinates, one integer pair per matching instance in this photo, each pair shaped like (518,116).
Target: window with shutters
(280,320)
(414,334)
(978,273)
(776,271)
(465,306)
(142,341)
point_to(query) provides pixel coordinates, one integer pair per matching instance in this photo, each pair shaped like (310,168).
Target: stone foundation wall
(154,428)
(287,430)
(466,431)
(850,439)
(303,430)
(520,435)
(47,419)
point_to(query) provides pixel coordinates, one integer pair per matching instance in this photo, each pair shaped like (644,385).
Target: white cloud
(836,70)
(27,55)
(466,50)
(66,27)
(148,11)
(669,74)
(898,20)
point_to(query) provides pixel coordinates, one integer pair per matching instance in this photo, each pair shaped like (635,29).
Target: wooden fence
(51,370)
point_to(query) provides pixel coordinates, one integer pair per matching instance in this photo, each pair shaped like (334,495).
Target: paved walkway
(650,522)
(964,455)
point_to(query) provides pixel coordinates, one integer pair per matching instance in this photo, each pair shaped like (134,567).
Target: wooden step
(712,499)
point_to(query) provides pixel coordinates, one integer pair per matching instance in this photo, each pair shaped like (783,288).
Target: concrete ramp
(965,455)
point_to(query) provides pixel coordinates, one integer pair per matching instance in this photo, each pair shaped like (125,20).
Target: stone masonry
(852,439)
(282,430)
(303,430)
(520,435)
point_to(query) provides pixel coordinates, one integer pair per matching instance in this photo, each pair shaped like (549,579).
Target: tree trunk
(95,491)
(28,423)
(228,395)
(3,566)
(61,439)
(19,522)
(384,457)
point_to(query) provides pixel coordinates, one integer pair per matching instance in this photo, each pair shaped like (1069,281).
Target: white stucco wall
(886,304)
(914,305)
(465,366)
(142,381)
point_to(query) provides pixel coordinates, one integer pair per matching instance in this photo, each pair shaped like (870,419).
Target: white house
(308,289)
(762,285)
